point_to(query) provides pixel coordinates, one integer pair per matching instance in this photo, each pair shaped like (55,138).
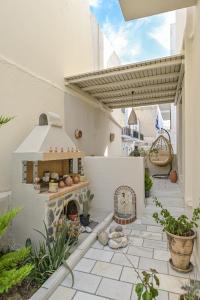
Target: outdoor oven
(47,179)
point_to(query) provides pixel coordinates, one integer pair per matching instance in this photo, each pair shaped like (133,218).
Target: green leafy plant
(181,226)
(192,290)
(5,119)
(6,219)
(12,268)
(50,254)
(148,182)
(86,199)
(147,288)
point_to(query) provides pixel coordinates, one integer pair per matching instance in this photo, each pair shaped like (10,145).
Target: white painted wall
(95,125)
(107,174)
(181,15)
(191,112)
(173,128)
(40,43)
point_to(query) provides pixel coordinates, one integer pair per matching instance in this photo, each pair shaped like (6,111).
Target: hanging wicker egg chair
(161,152)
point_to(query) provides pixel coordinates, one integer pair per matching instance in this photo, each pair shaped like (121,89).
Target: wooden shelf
(62,155)
(67,189)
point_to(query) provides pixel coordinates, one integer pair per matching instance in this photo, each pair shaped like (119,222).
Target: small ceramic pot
(61,184)
(68,181)
(76,179)
(173,176)
(73,217)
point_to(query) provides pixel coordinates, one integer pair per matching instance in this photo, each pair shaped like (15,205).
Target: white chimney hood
(49,133)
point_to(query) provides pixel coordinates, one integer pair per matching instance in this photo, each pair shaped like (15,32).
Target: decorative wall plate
(78,133)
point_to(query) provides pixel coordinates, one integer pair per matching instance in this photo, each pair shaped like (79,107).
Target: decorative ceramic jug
(173,176)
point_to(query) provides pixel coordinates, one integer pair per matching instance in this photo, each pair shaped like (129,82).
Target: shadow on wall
(95,125)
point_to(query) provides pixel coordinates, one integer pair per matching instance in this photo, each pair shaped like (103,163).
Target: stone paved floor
(106,274)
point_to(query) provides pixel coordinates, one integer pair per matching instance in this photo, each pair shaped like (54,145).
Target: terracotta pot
(61,184)
(73,217)
(173,176)
(181,248)
(76,179)
(68,181)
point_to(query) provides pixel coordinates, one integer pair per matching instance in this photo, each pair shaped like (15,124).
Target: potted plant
(180,234)
(191,291)
(135,152)
(148,182)
(85,199)
(146,289)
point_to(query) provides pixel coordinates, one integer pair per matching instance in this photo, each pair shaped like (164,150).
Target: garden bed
(22,292)
(34,291)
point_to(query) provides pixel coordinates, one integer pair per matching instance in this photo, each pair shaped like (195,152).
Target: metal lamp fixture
(132,120)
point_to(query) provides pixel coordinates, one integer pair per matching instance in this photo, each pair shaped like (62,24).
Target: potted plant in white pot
(85,199)
(181,235)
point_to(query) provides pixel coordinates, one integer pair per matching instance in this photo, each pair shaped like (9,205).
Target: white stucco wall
(190,115)
(95,125)
(192,109)
(40,43)
(107,174)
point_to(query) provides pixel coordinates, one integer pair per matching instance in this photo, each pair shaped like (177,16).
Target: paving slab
(114,289)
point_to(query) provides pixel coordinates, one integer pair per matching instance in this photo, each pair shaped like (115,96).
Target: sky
(135,40)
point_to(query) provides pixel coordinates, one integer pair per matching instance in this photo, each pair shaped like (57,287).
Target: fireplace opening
(71,210)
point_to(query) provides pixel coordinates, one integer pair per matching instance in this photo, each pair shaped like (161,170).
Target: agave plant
(50,255)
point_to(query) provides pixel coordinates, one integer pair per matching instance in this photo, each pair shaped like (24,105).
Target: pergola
(151,82)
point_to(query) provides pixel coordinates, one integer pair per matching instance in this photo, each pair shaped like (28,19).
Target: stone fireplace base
(61,205)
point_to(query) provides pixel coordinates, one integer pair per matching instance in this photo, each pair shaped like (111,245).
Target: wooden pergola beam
(143,102)
(169,76)
(109,101)
(162,86)
(138,67)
